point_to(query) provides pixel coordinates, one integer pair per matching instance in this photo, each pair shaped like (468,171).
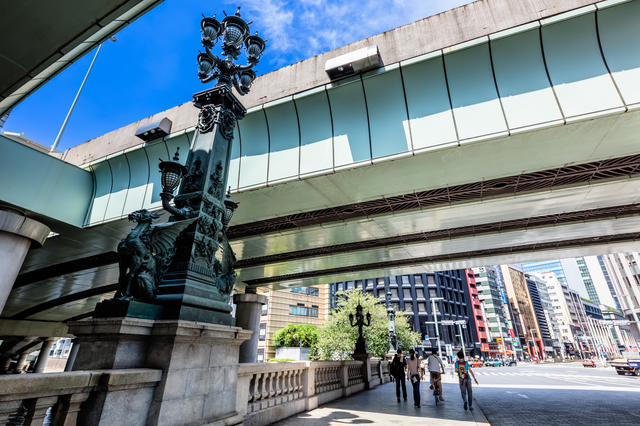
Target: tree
(337,338)
(294,335)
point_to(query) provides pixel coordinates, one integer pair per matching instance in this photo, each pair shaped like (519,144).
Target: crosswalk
(585,380)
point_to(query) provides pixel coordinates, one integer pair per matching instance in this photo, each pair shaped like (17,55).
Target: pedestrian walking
(398,367)
(414,375)
(463,368)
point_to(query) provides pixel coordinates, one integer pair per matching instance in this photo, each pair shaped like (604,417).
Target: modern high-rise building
(520,298)
(624,273)
(299,305)
(560,307)
(545,314)
(496,313)
(418,294)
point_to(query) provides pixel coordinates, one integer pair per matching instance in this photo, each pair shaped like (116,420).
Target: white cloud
(299,29)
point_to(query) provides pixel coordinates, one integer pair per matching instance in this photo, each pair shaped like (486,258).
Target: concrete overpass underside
(542,172)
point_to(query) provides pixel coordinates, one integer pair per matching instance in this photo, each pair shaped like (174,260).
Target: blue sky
(152,65)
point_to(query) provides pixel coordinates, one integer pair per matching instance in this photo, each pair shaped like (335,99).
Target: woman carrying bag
(414,375)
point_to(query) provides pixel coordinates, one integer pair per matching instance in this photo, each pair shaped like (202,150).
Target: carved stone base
(189,297)
(127,308)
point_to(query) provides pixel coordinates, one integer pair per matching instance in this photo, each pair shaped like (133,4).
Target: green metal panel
(255,149)
(350,123)
(522,80)
(37,182)
(619,36)
(575,65)
(154,188)
(139,171)
(119,187)
(474,98)
(103,181)
(388,120)
(234,165)
(430,117)
(316,139)
(284,140)
(182,141)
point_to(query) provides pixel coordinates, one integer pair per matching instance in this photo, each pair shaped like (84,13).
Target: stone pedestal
(248,311)
(17,235)
(199,363)
(368,377)
(127,308)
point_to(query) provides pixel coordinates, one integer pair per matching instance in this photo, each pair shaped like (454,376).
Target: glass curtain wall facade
(588,282)
(546,266)
(413,294)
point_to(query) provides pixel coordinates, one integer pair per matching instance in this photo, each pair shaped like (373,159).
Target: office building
(545,314)
(624,274)
(299,305)
(418,294)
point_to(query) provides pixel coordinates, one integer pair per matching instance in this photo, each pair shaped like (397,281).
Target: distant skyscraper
(588,282)
(546,266)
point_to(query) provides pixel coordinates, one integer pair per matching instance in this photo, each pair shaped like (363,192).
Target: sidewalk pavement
(380,407)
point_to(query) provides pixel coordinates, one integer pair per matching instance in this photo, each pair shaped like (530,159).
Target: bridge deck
(379,407)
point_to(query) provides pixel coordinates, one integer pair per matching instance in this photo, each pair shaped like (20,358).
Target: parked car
(511,363)
(475,363)
(490,362)
(589,363)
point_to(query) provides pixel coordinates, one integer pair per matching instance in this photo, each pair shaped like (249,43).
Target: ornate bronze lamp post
(194,284)
(361,344)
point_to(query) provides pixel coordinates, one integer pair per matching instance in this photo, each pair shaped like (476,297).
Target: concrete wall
(427,35)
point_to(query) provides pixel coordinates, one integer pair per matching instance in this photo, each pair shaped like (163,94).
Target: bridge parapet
(28,398)
(268,392)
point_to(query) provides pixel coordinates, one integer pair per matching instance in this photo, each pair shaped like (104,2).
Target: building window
(340,286)
(392,280)
(407,293)
(394,292)
(261,355)
(405,279)
(381,282)
(369,284)
(303,312)
(433,293)
(311,291)
(418,279)
(263,331)
(350,285)
(431,279)
(420,293)
(265,308)
(422,307)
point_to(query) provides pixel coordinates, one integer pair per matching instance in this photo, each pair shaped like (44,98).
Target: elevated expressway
(520,143)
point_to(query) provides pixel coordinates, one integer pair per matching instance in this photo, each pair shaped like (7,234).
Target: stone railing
(27,398)
(268,392)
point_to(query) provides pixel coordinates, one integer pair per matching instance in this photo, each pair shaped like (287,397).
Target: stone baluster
(69,408)
(37,409)
(279,387)
(344,375)
(272,384)
(6,409)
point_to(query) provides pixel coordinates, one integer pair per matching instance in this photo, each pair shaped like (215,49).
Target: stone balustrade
(268,392)
(30,396)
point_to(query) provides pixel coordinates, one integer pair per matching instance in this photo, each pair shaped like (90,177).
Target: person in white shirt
(435,365)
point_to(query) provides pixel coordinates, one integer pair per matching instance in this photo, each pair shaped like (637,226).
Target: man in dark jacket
(398,367)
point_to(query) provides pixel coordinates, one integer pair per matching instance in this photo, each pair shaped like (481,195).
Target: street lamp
(459,323)
(361,345)
(234,32)
(391,315)
(435,321)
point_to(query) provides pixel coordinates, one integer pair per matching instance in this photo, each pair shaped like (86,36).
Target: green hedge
(280,360)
